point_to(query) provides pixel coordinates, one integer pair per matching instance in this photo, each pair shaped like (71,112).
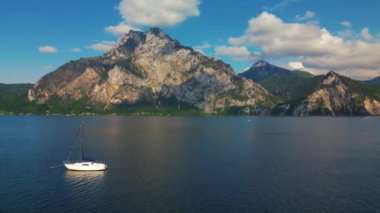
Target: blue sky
(39,36)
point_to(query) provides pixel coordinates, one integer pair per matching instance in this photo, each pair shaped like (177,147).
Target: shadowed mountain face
(262,70)
(153,68)
(283,83)
(335,95)
(13,97)
(303,94)
(375,81)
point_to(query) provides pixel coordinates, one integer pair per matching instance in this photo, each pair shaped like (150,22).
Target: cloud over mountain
(237,53)
(103,46)
(314,46)
(157,13)
(120,28)
(137,13)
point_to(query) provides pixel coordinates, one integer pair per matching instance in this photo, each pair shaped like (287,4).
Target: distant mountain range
(303,94)
(375,81)
(151,73)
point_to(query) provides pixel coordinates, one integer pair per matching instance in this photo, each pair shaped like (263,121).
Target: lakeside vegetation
(13,101)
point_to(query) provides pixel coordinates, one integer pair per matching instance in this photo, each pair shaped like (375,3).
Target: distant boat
(84,164)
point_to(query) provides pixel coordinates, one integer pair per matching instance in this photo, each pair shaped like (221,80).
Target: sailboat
(84,164)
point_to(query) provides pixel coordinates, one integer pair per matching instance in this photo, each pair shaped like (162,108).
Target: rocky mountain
(154,69)
(303,94)
(335,95)
(286,84)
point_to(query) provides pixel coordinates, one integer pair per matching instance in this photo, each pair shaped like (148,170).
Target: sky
(39,36)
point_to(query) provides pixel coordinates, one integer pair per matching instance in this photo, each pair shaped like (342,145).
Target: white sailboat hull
(85,166)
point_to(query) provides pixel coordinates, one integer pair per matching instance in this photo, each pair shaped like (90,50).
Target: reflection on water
(85,189)
(84,182)
(89,177)
(192,164)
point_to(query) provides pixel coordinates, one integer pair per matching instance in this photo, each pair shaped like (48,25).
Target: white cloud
(157,13)
(345,33)
(237,53)
(121,28)
(205,45)
(202,47)
(49,67)
(47,49)
(75,50)
(346,24)
(365,34)
(312,45)
(361,74)
(350,55)
(308,15)
(296,65)
(103,46)
(277,38)
(280,6)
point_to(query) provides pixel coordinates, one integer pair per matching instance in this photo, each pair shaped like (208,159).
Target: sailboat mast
(81,141)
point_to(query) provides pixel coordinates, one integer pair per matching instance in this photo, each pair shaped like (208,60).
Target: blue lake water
(192,164)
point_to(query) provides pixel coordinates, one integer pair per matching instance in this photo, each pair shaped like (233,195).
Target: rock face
(372,106)
(336,95)
(151,67)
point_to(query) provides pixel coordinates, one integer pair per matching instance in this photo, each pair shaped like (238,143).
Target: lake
(191,164)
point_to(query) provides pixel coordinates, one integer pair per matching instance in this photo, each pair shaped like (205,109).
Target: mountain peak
(157,32)
(331,78)
(130,41)
(132,34)
(331,73)
(260,63)
(262,70)
(136,37)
